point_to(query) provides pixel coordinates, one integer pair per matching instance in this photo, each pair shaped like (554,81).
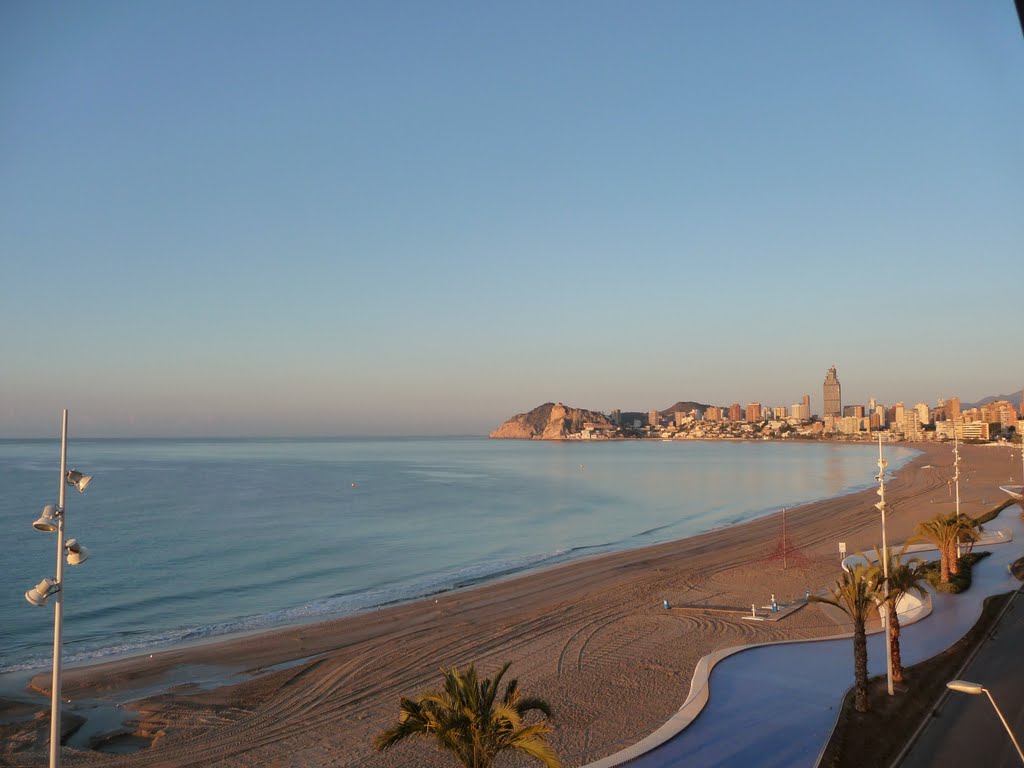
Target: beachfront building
(952,407)
(713,413)
(735,412)
(911,426)
(1001,412)
(832,395)
(1007,419)
(753,412)
(962,430)
(898,414)
(851,425)
(802,410)
(923,413)
(879,411)
(653,418)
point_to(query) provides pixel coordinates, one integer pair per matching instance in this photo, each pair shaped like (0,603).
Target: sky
(338,218)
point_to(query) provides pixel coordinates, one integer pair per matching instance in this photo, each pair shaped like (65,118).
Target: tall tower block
(832,395)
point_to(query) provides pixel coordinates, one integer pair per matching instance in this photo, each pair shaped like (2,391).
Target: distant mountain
(685,406)
(1014,398)
(551,421)
(628,417)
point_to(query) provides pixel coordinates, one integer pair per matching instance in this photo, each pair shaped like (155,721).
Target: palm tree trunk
(894,638)
(944,565)
(860,667)
(954,563)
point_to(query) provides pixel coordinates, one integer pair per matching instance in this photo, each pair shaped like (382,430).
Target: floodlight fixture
(53,519)
(79,480)
(47,521)
(41,591)
(77,554)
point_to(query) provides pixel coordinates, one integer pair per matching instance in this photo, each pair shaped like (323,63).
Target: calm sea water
(191,539)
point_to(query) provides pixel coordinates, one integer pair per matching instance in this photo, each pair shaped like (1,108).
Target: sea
(193,539)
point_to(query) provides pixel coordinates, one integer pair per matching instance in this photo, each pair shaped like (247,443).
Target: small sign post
(842,550)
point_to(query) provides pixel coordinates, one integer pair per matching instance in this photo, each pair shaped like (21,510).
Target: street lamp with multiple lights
(880,506)
(52,521)
(964,686)
(956,482)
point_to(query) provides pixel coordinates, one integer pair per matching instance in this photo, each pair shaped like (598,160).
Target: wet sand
(591,637)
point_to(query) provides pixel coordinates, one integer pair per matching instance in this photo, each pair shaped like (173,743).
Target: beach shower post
(52,520)
(880,506)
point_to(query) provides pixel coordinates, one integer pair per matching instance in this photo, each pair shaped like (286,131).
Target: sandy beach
(590,636)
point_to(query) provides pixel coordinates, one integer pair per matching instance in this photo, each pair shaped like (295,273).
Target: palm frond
(463,719)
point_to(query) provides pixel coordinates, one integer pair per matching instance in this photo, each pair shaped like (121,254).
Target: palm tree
(466,719)
(905,576)
(855,594)
(943,531)
(968,532)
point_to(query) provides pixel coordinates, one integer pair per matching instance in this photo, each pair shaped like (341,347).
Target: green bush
(958,582)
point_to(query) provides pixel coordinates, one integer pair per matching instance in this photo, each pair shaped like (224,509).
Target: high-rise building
(735,412)
(832,394)
(754,412)
(653,418)
(953,408)
(713,413)
(802,410)
(923,414)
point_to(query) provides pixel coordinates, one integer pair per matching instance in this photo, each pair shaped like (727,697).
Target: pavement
(776,705)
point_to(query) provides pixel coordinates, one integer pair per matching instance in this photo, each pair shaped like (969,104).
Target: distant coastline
(695,421)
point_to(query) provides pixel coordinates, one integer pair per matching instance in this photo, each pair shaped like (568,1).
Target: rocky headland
(551,421)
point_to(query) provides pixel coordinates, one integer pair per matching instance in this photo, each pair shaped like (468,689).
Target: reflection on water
(835,471)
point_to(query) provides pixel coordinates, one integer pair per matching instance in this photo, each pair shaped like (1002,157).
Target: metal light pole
(964,686)
(58,604)
(52,520)
(880,506)
(956,482)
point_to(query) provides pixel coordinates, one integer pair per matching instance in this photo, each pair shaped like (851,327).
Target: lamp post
(880,506)
(956,482)
(52,520)
(964,686)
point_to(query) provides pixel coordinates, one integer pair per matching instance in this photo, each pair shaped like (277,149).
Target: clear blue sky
(253,218)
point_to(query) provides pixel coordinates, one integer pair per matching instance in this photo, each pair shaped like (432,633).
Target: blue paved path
(775,706)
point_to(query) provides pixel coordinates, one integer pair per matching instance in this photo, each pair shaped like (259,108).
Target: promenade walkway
(776,705)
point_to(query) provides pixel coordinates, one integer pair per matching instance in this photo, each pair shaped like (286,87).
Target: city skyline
(262,220)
